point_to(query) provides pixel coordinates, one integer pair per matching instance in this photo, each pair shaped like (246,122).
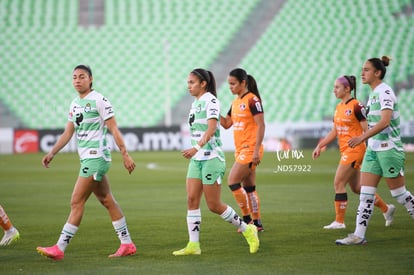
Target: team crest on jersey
(87,108)
(242,107)
(198,109)
(348,112)
(373,100)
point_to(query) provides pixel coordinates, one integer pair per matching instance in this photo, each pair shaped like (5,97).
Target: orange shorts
(352,157)
(246,157)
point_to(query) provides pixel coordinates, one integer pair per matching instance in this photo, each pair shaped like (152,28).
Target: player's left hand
(47,159)
(129,163)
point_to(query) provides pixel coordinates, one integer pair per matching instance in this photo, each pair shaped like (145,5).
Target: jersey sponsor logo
(109,109)
(79,119)
(387,102)
(213,112)
(26,141)
(238,126)
(342,128)
(191,119)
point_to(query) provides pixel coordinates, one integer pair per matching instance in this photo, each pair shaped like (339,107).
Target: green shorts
(96,167)
(208,171)
(388,164)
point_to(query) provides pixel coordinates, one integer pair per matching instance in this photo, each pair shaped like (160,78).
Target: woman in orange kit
(349,121)
(246,115)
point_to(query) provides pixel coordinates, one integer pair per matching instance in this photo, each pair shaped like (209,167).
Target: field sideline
(295,206)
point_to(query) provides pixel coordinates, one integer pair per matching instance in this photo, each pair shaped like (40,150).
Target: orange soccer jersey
(347,124)
(242,113)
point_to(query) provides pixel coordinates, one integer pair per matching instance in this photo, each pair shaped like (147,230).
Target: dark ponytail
(207,76)
(352,83)
(252,86)
(211,85)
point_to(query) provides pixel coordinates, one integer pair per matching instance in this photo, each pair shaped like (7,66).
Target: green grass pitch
(295,205)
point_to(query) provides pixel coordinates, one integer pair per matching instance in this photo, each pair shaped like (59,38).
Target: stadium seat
(311,46)
(294,62)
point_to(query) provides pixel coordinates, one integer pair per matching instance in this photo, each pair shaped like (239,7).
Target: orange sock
(5,222)
(341,204)
(380,203)
(254,202)
(340,210)
(241,198)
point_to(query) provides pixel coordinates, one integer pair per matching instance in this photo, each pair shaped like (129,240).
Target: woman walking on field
(246,115)
(207,164)
(385,154)
(349,121)
(90,116)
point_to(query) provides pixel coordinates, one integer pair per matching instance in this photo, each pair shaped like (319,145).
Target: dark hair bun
(385,60)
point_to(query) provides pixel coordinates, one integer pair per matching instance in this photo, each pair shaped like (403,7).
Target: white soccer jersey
(205,108)
(381,98)
(88,115)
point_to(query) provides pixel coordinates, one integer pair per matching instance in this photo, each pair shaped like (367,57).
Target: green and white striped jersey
(205,108)
(88,115)
(381,98)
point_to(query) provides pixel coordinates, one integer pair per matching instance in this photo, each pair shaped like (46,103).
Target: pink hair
(344,81)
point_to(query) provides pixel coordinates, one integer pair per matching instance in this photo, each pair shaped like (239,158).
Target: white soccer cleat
(389,215)
(351,240)
(10,237)
(335,225)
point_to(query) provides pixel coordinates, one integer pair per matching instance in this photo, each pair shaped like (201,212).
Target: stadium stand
(310,43)
(143,52)
(141,56)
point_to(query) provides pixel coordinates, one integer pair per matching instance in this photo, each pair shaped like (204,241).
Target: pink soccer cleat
(124,250)
(52,252)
